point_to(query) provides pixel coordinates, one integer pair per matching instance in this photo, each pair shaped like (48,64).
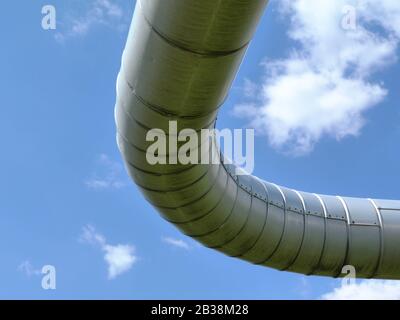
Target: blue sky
(67,201)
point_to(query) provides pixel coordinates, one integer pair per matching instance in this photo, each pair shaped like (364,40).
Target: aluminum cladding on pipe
(179,63)
(213,27)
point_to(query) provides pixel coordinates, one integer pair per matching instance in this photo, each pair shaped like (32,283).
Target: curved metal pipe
(179,62)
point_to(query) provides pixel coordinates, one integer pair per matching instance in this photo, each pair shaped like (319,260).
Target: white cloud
(107,176)
(176,243)
(324,87)
(27,268)
(89,235)
(119,258)
(303,288)
(366,290)
(250,88)
(108,13)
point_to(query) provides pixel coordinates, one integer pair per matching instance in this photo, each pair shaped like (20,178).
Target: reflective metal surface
(179,62)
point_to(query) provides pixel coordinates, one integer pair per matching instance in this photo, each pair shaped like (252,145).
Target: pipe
(179,62)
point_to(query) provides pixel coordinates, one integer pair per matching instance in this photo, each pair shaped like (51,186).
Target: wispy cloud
(119,258)
(250,88)
(303,288)
(107,175)
(28,269)
(324,87)
(109,13)
(366,290)
(178,243)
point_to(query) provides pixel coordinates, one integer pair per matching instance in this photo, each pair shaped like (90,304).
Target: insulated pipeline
(179,62)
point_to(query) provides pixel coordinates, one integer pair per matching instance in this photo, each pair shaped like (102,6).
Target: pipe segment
(179,62)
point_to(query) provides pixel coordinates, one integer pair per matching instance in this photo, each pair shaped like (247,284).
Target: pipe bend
(179,63)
